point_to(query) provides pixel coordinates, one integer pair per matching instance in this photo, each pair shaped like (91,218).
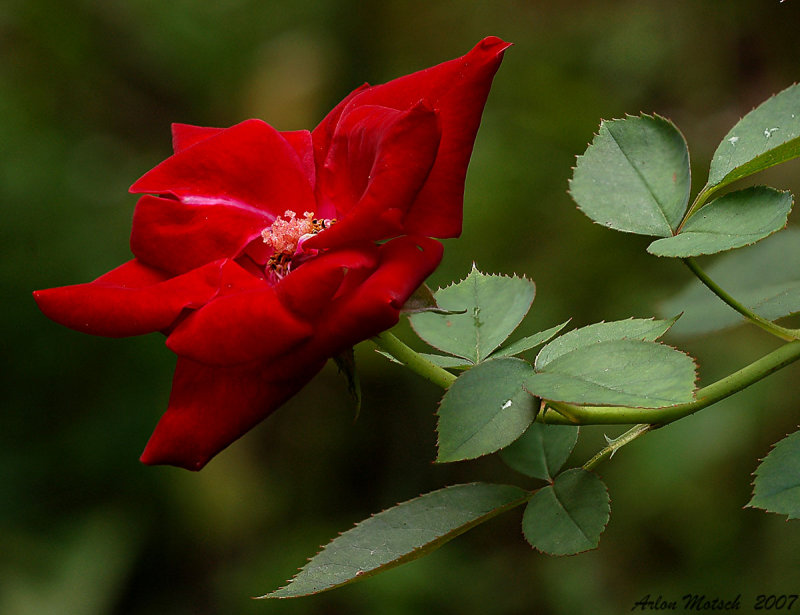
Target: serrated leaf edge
(581,403)
(579,157)
(602,531)
(722,182)
(671,322)
(744,245)
(413,554)
(754,474)
(556,471)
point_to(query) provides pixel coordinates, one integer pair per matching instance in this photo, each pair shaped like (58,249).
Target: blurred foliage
(87,92)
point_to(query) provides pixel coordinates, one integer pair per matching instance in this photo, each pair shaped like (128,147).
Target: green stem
(617,443)
(570,414)
(767,325)
(699,200)
(413,360)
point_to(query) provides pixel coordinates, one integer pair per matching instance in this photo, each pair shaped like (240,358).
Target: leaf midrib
(643,180)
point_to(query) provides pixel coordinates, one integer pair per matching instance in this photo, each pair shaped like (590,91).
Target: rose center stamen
(285,234)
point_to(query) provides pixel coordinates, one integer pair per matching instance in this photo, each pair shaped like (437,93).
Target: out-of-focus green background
(87,92)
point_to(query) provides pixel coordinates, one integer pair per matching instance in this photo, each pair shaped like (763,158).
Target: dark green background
(87,92)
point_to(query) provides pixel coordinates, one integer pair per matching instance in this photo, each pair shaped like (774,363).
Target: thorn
(610,442)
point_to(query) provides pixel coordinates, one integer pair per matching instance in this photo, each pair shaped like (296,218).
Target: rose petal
(210,407)
(239,328)
(374,305)
(250,165)
(300,140)
(378,161)
(132,299)
(457,90)
(307,290)
(322,135)
(264,322)
(177,237)
(186,135)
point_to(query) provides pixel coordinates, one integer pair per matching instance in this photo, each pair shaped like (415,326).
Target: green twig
(767,325)
(413,360)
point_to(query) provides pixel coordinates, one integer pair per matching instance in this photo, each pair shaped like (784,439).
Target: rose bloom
(261,254)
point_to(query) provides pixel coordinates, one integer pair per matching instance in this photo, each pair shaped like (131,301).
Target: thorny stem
(646,419)
(705,397)
(769,326)
(617,443)
(413,360)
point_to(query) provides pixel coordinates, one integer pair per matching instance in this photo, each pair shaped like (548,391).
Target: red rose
(264,253)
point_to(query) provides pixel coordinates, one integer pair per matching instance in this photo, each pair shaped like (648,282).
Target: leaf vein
(661,207)
(571,518)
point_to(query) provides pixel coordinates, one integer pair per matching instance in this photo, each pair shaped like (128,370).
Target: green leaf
(401,534)
(485,409)
(644,329)
(541,450)
(764,277)
(446,361)
(732,221)
(627,372)
(777,484)
(423,300)
(532,341)
(768,135)
(568,516)
(634,177)
(494,304)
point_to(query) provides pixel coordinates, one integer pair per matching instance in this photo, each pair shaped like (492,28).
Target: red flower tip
(494,43)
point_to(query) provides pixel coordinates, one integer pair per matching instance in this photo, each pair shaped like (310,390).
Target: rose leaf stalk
(413,360)
(769,326)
